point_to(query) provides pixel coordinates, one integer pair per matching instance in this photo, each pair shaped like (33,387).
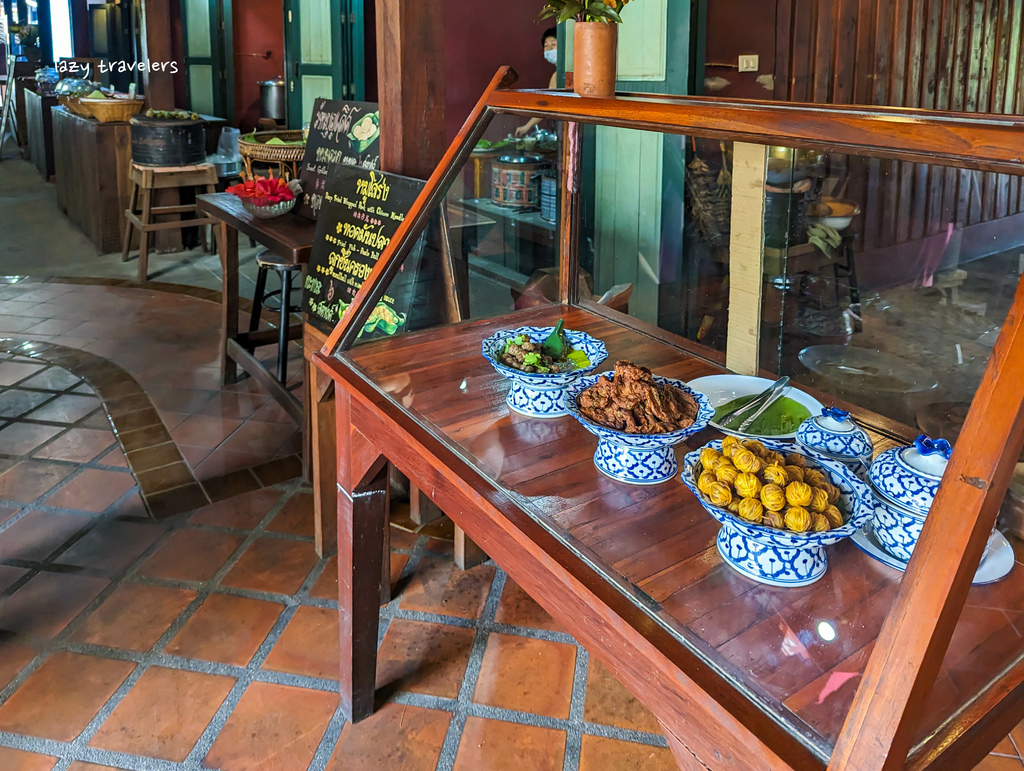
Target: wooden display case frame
(703,715)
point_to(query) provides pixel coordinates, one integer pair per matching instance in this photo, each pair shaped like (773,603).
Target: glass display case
(873,256)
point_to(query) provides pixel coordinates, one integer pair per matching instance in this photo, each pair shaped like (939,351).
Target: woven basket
(112,110)
(71,104)
(255,147)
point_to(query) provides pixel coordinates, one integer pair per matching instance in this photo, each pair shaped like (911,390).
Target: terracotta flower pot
(595,46)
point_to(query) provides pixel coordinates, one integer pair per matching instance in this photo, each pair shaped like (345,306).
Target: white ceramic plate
(722,389)
(995,565)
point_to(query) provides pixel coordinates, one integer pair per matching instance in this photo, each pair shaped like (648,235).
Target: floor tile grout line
(577,704)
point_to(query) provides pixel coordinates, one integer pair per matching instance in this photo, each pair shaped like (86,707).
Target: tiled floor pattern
(166,482)
(210,641)
(168,343)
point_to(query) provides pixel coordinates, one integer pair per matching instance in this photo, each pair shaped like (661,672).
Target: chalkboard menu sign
(360,214)
(339,133)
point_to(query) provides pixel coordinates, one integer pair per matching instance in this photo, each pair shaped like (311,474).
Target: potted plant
(265,197)
(595,40)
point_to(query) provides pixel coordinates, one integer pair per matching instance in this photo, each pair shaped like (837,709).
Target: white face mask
(551,55)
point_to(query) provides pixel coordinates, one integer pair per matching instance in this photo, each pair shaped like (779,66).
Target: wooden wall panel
(961,55)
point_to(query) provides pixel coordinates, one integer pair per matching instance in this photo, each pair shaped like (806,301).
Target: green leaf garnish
(531,359)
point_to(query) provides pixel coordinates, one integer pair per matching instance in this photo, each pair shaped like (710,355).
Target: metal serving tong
(753,409)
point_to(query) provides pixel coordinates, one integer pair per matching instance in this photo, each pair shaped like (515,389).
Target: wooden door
(323,53)
(209,67)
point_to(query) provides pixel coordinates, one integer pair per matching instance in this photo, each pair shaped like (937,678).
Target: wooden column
(410,63)
(156,47)
(746,258)
(80,28)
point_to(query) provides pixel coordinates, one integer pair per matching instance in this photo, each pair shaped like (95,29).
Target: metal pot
(272,99)
(515,181)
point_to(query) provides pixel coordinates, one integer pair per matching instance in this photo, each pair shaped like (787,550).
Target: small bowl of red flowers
(265,197)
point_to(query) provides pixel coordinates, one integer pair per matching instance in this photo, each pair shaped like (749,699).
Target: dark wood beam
(80,28)
(410,67)
(156,47)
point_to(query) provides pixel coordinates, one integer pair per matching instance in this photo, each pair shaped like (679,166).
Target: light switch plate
(748,63)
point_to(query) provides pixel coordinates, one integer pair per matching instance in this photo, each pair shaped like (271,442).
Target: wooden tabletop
(289,236)
(795,653)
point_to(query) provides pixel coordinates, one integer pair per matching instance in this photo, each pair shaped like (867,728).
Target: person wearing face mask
(550,42)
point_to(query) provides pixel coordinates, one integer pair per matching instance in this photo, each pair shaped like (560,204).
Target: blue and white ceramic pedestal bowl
(638,459)
(779,557)
(835,435)
(904,481)
(536,394)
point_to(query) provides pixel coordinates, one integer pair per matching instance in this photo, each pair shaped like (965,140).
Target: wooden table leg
(361,520)
(228,248)
(467,553)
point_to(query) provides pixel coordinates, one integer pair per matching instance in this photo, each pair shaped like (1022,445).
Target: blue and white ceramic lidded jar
(904,481)
(835,435)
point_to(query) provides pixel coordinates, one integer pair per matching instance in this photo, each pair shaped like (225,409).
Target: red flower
(263,191)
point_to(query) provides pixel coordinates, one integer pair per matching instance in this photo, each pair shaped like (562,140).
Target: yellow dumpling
(773,497)
(730,441)
(833,492)
(705,480)
(746,461)
(734,506)
(756,447)
(814,478)
(798,494)
(776,475)
(795,473)
(819,500)
(719,494)
(775,457)
(726,473)
(820,523)
(796,459)
(751,510)
(748,485)
(798,519)
(708,457)
(773,519)
(834,516)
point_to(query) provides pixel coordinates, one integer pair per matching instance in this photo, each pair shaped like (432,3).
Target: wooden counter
(92,162)
(39,131)
(739,671)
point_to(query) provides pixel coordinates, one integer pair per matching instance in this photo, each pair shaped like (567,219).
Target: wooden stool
(147,179)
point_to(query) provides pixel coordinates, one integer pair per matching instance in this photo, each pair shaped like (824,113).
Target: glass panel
(894,300)
(315,87)
(795,653)
(201,82)
(504,218)
(656,223)
(315,16)
(197,16)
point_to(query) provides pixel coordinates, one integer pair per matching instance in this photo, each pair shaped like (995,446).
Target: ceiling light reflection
(826,631)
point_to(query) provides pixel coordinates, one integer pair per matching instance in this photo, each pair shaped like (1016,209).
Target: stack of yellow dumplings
(767,488)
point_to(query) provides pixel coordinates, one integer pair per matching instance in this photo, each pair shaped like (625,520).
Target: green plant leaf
(603,12)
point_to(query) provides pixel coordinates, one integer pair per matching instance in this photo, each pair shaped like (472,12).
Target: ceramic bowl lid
(910,476)
(834,433)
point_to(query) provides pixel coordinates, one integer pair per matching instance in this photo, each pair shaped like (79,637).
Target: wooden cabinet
(39,131)
(868,668)
(93,163)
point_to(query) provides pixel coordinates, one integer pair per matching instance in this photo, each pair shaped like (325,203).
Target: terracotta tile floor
(209,639)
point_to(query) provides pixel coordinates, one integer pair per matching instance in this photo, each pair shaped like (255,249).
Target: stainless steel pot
(272,99)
